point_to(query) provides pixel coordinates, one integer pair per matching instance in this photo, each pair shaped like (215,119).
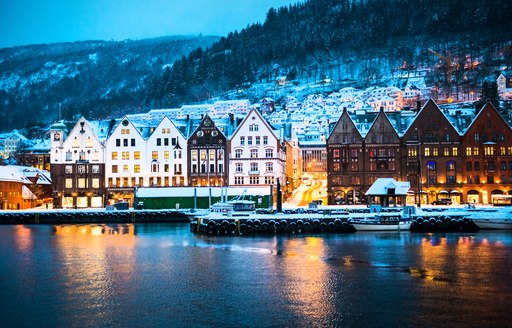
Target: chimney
(418,105)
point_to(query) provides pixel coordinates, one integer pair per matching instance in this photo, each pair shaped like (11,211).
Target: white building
(504,87)
(256,156)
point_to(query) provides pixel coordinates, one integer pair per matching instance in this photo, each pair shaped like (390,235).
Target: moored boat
(383,222)
(495,219)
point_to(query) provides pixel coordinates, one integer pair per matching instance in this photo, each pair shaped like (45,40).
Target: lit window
(136,155)
(114,155)
(136,168)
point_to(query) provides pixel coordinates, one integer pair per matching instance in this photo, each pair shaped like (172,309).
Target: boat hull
(493,224)
(380,226)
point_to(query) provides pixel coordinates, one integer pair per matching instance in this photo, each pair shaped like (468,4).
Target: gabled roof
(488,106)
(254,110)
(344,114)
(429,105)
(381,115)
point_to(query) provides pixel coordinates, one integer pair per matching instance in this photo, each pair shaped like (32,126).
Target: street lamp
(207,161)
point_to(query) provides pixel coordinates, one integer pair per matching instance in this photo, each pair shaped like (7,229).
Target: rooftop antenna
(58,118)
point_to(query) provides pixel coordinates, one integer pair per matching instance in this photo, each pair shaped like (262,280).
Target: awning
(443,192)
(454,192)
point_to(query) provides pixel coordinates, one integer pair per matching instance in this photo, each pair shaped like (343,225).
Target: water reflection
(97,261)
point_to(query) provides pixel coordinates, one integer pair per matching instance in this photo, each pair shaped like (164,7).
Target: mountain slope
(357,40)
(94,78)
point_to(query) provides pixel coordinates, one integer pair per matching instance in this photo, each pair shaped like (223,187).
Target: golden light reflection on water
(87,255)
(306,277)
(24,240)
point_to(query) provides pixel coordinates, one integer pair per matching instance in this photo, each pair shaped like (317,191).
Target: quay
(322,221)
(92,216)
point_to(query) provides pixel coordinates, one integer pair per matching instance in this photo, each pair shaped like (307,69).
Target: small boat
(498,219)
(383,222)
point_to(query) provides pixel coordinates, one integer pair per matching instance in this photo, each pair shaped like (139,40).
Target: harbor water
(162,275)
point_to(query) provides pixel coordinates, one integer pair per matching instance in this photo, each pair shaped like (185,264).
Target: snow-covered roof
(382,186)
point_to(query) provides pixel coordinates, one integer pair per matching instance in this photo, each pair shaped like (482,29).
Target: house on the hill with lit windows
(256,155)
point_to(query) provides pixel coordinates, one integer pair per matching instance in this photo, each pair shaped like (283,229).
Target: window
(455,151)
(114,155)
(354,153)
(254,167)
(81,169)
(118,142)
(239,167)
(158,141)
(254,180)
(431,166)
(239,180)
(269,153)
(253,127)
(427,151)
(238,153)
(475,151)
(503,165)
(477,166)
(194,155)
(269,167)
(269,180)
(136,168)
(258,140)
(95,169)
(469,166)
(254,153)
(166,167)
(155,168)
(133,142)
(154,155)
(450,166)
(136,155)
(166,154)
(82,183)
(502,151)
(249,141)
(69,156)
(412,152)
(125,155)
(336,153)
(69,183)
(476,137)
(446,151)
(114,168)
(242,141)
(125,142)
(166,141)
(95,183)
(265,140)
(125,168)
(489,151)
(468,151)
(68,169)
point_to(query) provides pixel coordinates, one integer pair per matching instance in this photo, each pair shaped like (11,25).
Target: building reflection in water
(97,261)
(23,240)
(304,280)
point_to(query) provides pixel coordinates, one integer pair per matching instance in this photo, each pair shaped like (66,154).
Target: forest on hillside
(312,39)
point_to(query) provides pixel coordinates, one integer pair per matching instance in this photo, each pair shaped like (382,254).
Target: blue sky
(44,21)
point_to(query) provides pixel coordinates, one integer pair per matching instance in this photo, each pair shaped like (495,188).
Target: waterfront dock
(92,216)
(323,221)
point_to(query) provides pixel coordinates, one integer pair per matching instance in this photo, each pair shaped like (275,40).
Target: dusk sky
(45,21)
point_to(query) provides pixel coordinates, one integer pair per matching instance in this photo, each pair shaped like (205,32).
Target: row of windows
(153,181)
(211,169)
(125,142)
(254,180)
(254,167)
(76,143)
(82,169)
(83,156)
(125,155)
(269,153)
(82,183)
(257,140)
(211,154)
(155,168)
(166,141)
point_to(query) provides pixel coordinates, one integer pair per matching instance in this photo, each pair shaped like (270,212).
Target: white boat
(493,219)
(383,222)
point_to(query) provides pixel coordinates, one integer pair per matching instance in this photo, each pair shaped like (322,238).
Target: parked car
(442,201)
